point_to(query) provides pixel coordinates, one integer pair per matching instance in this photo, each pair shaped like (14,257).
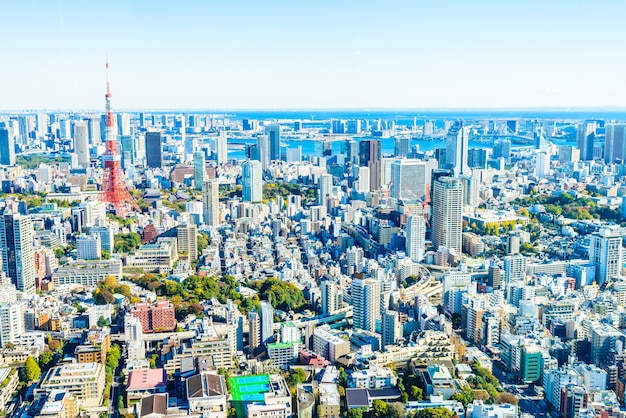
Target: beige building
(85,381)
(188,240)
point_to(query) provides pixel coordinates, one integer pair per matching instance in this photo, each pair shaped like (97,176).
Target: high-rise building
(365,297)
(95,130)
(198,169)
(586,133)
(332,299)
(267,322)
(392,328)
(254,335)
(273,134)
(89,247)
(409,180)
(135,346)
(605,252)
(369,156)
(154,149)
(615,144)
(211,202)
(188,240)
(18,259)
(325,189)
(447,217)
(7,147)
(263,150)
(11,323)
(252,179)
(401,146)
(159,317)
(457,145)
(81,143)
(415,236)
(515,268)
(221,148)
(123,124)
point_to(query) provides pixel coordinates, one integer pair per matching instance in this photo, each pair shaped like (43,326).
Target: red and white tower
(113,191)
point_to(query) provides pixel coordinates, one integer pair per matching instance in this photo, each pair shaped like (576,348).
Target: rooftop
(146,379)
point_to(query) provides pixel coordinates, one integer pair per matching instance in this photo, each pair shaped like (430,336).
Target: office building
(187,236)
(515,268)
(605,252)
(7,147)
(365,297)
(263,151)
(18,259)
(457,144)
(154,149)
(392,328)
(615,144)
(415,236)
(267,322)
(401,146)
(106,237)
(325,189)
(221,148)
(86,273)
(332,298)
(586,134)
(273,135)
(198,169)
(211,203)
(328,345)
(252,179)
(81,143)
(447,213)
(89,247)
(370,156)
(409,180)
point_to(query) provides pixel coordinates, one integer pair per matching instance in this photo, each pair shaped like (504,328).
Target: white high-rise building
(415,236)
(81,143)
(409,179)
(267,322)
(18,259)
(211,202)
(447,217)
(542,165)
(89,247)
(365,297)
(605,252)
(252,179)
(221,148)
(325,189)
(11,323)
(457,145)
(123,124)
(187,237)
(263,148)
(392,328)
(332,298)
(135,345)
(515,268)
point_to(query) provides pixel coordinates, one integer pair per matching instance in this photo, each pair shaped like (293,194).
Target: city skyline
(404,55)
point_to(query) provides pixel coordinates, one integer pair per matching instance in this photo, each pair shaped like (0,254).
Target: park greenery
(113,358)
(483,382)
(126,243)
(33,161)
(31,372)
(571,207)
(103,293)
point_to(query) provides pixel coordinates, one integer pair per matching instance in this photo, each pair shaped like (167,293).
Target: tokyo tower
(113,191)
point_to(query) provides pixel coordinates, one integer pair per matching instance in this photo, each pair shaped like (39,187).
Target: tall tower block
(113,190)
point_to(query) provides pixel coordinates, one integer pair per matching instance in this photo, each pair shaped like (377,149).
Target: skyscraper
(447,213)
(187,237)
(7,147)
(273,133)
(254,335)
(263,148)
(408,179)
(365,297)
(324,190)
(332,299)
(457,145)
(81,143)
(415,236)
(252,179)
(267,322)
(211,202)
(605,252)
(401,146)
(154,150)
(586,133)
(198,169)
(392,328)
(221,148)
(18,260)
(369,156)
(615,145)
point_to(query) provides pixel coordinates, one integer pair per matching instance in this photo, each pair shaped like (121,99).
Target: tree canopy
(31,371)
(284,296)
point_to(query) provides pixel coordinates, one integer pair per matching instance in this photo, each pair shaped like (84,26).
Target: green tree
(342,378)
(355,413)
(203,242)
(465,396)
(379,408)
(31,371)
(416,393)
(505,397)
(296,377)
(102,322)
(434,413)
(45,359)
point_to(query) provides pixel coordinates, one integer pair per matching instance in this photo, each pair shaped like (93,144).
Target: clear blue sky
(313,54)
